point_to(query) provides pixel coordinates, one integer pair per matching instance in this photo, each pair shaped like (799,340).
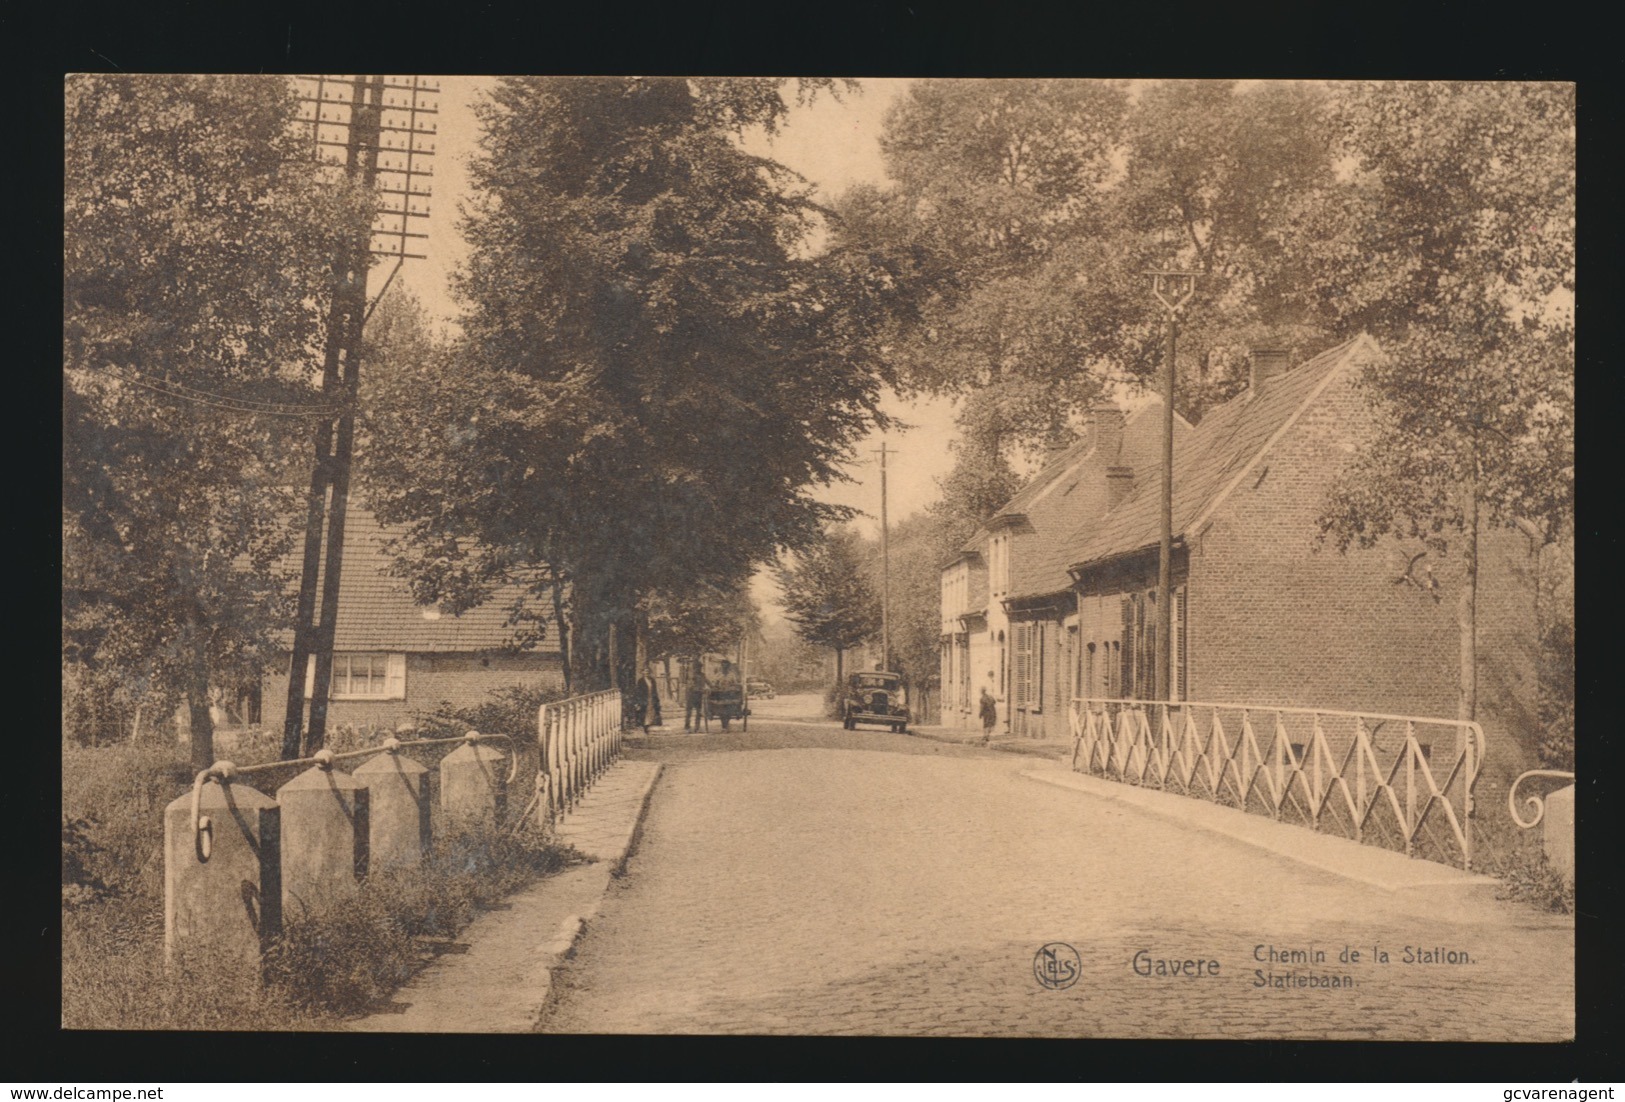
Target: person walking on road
(694,710)
(646,698)
(990,713)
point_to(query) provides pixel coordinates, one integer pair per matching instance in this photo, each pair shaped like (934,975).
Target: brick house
(393,658)
(1005,604)
(1261,615)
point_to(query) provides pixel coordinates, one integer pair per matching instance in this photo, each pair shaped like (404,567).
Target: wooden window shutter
(1018,678)
(1041,634)
(1180,688)
(1125,684)
(397,677)
(1044,665)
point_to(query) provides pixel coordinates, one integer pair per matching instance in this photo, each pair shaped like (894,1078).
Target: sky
(834,143)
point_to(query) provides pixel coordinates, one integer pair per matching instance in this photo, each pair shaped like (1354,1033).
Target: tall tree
(654,377)
(198,246)
(1034,210)
(1213,171)
(828,596)
(1451,240)
(990,177)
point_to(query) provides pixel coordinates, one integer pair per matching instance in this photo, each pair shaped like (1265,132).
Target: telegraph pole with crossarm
(375,129)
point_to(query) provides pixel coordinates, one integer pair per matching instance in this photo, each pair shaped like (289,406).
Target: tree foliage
(1452,242)
(1033,210)
(653,379)
(827,592)
(702,620)
(197,258)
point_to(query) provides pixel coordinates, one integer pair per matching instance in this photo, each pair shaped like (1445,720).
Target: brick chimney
(1108,430)
(1266,363)
(1119,481)
(1056,450)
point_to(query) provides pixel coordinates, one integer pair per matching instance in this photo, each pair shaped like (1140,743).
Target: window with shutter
(363,677)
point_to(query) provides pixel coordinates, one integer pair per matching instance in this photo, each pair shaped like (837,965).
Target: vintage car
(759,688)
(875,697)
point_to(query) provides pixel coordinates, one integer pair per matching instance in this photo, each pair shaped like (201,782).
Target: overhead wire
(228,402)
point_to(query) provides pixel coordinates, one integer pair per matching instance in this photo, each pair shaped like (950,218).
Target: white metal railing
(1535,804)
(1368,775)
(577,740)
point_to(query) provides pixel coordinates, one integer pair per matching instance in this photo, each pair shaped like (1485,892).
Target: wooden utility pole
(1173,290)
(885,566)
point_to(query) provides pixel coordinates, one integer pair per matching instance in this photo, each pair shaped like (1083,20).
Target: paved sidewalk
(1440,885)
(1054,749)
(498,976)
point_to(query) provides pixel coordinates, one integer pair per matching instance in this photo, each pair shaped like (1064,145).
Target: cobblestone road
(808,880)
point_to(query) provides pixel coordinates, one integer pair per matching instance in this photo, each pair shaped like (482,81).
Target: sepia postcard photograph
(868,557)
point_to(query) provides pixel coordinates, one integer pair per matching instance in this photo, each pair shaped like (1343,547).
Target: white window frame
(394,674)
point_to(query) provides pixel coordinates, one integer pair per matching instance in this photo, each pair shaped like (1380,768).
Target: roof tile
(376,611)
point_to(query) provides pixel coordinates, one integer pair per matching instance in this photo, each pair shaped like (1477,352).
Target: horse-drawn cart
(726,705)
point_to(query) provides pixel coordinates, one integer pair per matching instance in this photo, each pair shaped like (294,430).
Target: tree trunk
(583,650)
(1467,608)
(200,722)
(561,627)
(839,679)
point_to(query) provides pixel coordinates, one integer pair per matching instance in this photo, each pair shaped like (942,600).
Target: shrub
(344,959)
(834,701)
(509,710)
(1517,857)
(115,796)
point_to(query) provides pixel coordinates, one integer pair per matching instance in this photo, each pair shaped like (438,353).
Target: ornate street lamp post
(1174,290)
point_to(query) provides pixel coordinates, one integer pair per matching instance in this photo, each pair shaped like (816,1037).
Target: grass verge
(327,964)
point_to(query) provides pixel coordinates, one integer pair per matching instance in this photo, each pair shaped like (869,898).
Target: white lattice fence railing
(578,739)
(1369,776)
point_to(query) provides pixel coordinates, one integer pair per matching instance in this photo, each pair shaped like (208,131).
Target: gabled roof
(1057,470)
(1077,494)
(1212,459)
(377,613)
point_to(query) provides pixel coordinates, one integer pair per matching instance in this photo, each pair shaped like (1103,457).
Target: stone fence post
(473,785)
(222,872)
(1559,831)
(325,835)
(399,811)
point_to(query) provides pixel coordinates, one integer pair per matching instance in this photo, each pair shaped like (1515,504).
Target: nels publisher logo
(1057,966)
